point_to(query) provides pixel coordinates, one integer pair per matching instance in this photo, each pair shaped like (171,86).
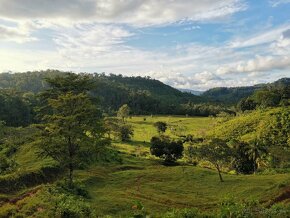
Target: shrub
(160,126)
(125,132)
(6,164)
(167,149)
(67,203)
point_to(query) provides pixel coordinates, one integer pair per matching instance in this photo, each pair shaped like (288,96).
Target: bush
(185,213)
(125,132)
(167,149)
(6,165)
(160,126)
(67,203)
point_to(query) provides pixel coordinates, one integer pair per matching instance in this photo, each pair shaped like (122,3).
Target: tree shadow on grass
(138,143)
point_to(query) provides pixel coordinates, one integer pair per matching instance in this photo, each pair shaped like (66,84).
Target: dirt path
(14,200)
(282,197)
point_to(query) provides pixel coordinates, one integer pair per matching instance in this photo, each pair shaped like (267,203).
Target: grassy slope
(244,127)
(114,188)
(160,188)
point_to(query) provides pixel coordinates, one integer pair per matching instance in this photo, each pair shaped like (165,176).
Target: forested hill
(233,95)
(143,94)
(35,82)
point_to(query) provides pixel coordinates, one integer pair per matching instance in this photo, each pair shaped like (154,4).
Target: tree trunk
(70,165)
(220,175)
(70,175)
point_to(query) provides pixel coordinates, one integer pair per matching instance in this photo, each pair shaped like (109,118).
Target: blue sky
(189,44)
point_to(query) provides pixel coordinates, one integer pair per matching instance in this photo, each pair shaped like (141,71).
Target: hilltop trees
(270,96)
(166,148)
(14,108)
(246,104)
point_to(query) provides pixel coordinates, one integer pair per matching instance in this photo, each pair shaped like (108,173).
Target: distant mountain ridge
(194,92)
(232,95)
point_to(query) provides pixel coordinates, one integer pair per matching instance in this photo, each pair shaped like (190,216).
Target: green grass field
(160,188)
(144,130)
(114,188)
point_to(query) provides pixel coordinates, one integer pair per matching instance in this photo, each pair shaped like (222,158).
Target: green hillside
(143,94)
(249,125)
(233,95)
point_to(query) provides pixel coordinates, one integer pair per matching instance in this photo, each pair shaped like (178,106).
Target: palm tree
(256,150)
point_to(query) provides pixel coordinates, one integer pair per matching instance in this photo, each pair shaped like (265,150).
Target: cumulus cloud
(258,64)
(135,12)
(198,81)
(202,81)
(18,34)
(283,43)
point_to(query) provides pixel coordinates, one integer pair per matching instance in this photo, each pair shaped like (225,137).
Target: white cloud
(282,45)
(264,37)
(258,64)
(90,39)
(135,12)
(191,28)
(91,35)
(275,3)
(19,34)
(26,60)
(201,81)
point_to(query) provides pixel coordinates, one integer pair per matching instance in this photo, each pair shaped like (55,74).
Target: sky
(189,44)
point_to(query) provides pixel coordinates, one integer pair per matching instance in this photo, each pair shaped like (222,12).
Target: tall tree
(217,152)
(2,125)
(256,150)
(124,112)
(242,161)
(72,128)
(72,132)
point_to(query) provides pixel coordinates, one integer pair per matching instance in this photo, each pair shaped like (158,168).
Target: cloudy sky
(194,44)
